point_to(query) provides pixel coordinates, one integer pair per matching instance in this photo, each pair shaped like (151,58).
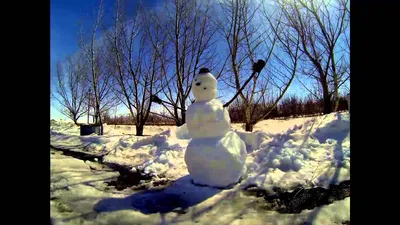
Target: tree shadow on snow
(181,194)
(337,130)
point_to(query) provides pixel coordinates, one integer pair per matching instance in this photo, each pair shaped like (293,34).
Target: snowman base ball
(217,162)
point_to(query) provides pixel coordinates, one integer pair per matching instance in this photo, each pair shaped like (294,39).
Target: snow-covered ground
(306,152)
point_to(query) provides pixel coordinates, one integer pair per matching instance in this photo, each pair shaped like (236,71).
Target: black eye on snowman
(205,88)
(198,83)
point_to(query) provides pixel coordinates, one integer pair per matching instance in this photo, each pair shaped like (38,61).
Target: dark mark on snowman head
(205,88)
(198,84)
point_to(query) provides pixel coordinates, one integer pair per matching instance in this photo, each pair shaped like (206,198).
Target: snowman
(216,155)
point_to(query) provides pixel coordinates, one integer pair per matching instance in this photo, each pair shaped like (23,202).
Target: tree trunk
(336,106)
(75,120)
(139,129)
(327,104)
(335,81)
(247,114)
(98,118)
(348,102)
(183,115)
(176,115)
(249,126)
(336,94)
(327,98)
(179,123)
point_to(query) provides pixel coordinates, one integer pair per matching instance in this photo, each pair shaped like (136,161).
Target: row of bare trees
(84,81)
(152,52)
(323,29)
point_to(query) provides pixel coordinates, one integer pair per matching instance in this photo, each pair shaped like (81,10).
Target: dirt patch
(138,181)
(162,182)
(300,199)
(127,179)
(253,190)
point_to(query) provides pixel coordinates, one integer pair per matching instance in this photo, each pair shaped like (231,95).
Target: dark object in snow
(125,181)
(204,70)
(129,179)
(258,66)
(90,129)
(156,99)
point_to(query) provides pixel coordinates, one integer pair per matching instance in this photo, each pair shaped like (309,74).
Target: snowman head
(204,85)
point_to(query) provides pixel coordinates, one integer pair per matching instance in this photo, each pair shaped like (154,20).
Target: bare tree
(135,62)
(239,30)
(190,34)
(249,37)
(70,88)
(322,27)
(108,103)
(100,76)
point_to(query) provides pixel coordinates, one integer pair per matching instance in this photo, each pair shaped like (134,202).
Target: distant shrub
(128,120)
(289,107)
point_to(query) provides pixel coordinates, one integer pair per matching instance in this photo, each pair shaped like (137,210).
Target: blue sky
(65,17)
(64,26)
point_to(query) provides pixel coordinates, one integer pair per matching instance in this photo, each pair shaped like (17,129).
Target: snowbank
(65,127)
(159,154)
(315,152)
(254,140)
(167,155)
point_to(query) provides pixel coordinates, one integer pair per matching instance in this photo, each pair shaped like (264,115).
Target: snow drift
(315,152)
